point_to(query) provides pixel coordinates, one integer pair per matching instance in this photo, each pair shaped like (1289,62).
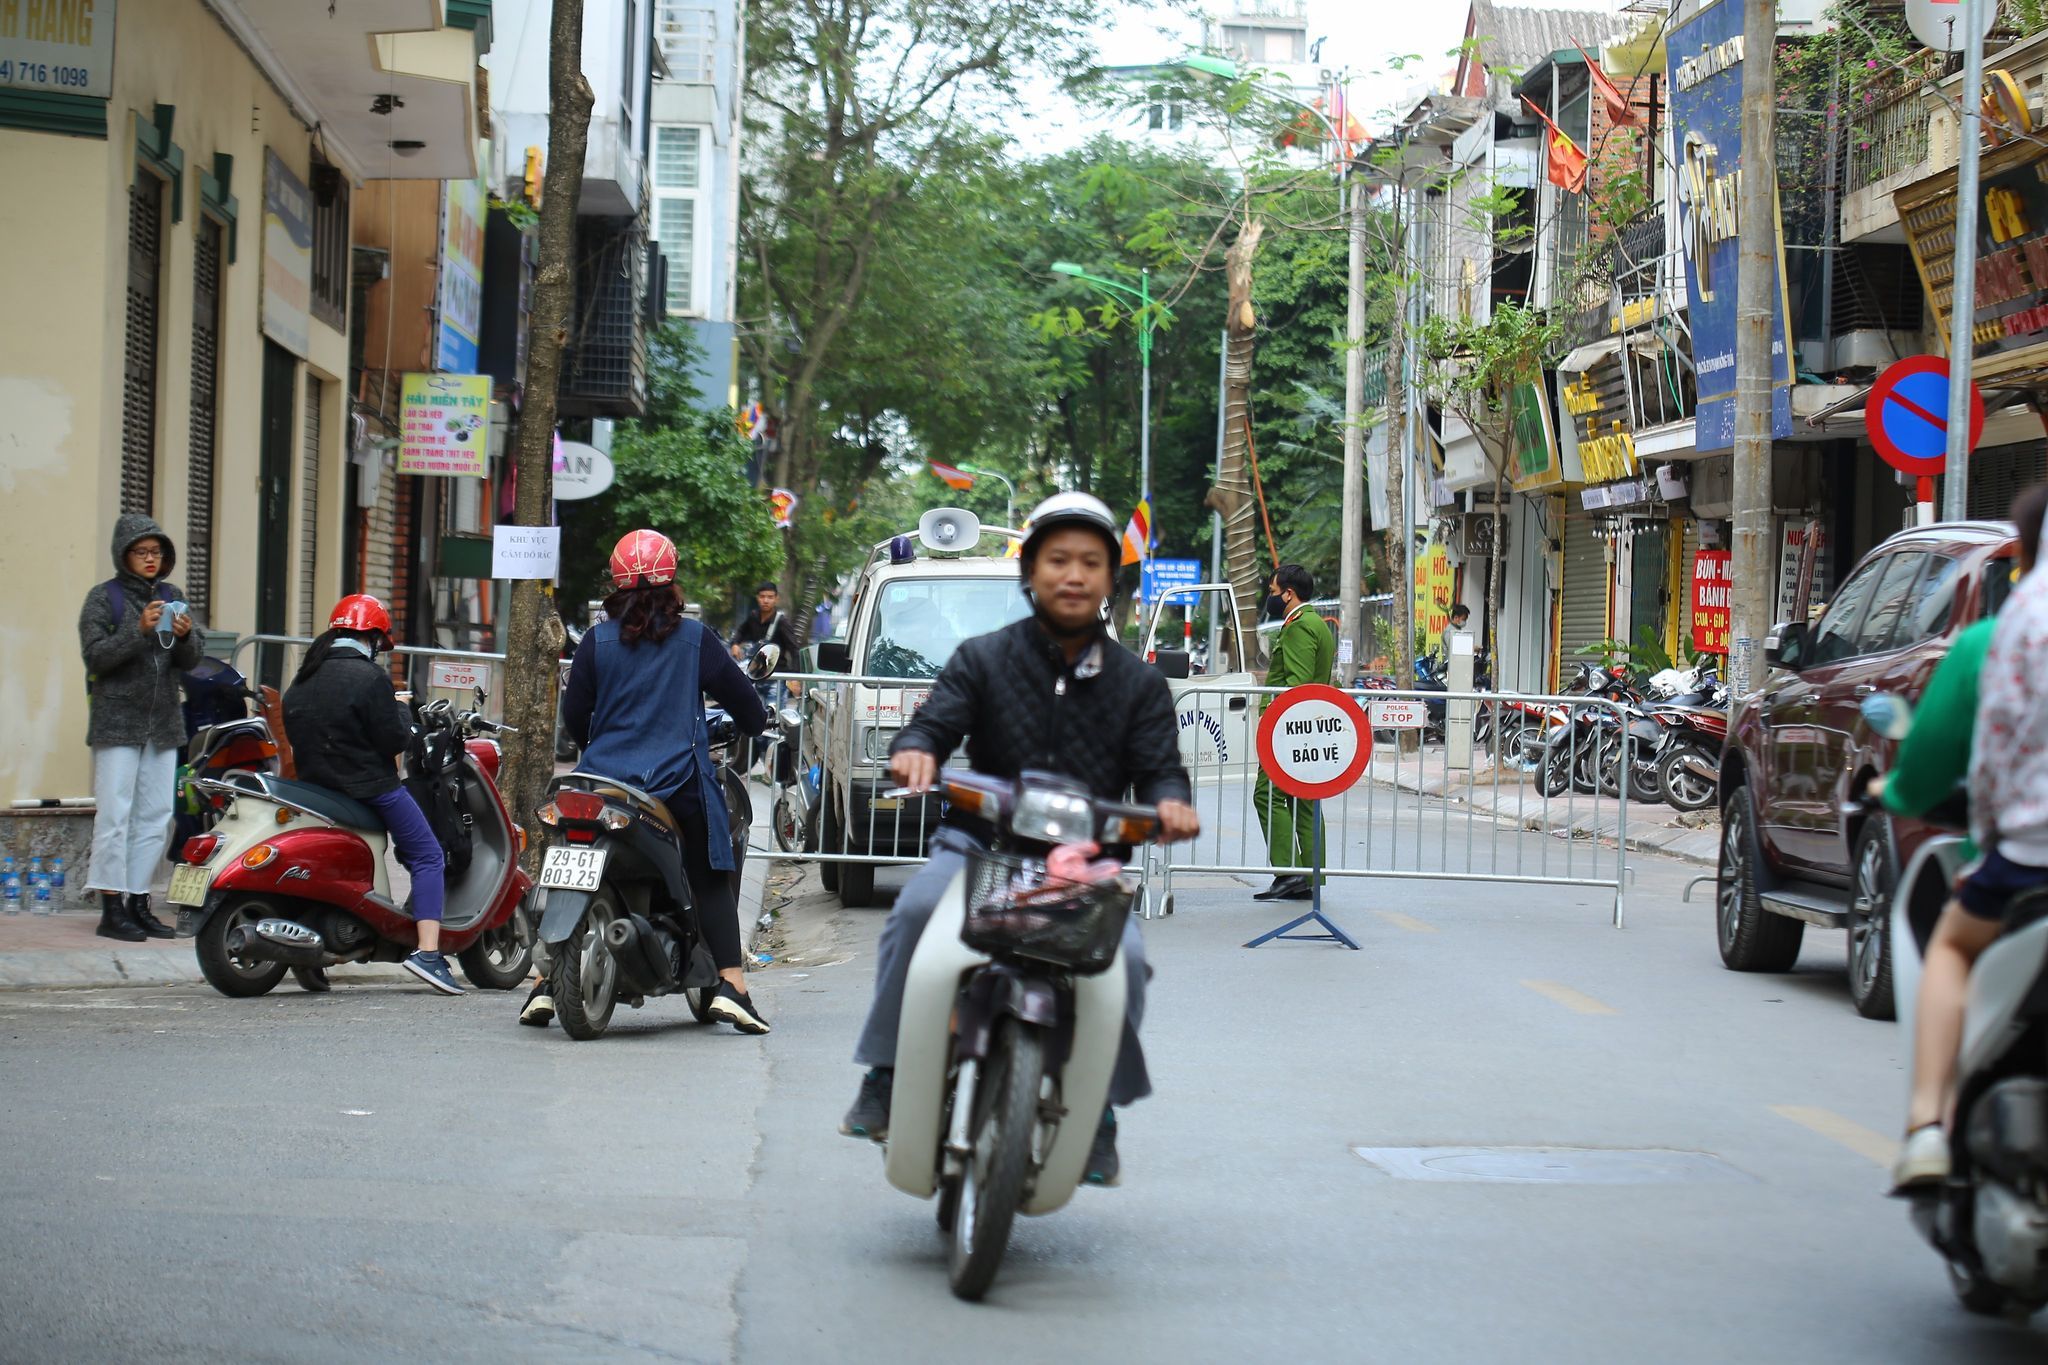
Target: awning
(1592,353)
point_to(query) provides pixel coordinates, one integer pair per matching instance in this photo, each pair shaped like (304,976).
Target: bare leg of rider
(1959,937)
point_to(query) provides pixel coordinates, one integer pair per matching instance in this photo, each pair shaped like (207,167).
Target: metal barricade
(1536,770)
(284,643)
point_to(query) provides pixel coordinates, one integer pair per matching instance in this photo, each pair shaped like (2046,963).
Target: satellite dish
(1939,23)
(949,528)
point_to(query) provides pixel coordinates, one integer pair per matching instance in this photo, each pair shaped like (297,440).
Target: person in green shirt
(1304,653)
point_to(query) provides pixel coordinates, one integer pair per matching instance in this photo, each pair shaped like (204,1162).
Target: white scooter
(1012,1018)
(1990,1219)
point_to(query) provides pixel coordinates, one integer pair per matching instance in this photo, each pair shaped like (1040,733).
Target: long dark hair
(649,612)
(2027,510)
(317,652)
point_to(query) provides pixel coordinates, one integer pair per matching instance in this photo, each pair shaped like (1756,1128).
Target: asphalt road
(384,1174)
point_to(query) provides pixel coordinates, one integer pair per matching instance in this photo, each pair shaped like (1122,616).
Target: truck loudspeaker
(949,528)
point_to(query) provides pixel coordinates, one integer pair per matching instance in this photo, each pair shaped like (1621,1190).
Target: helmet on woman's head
(643,558)
(360,611)
(1082,510)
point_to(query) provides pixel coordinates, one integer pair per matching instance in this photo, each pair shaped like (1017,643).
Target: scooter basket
(1013,910)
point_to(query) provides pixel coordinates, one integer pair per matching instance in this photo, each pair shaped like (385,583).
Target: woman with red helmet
(347,729)
(635,705)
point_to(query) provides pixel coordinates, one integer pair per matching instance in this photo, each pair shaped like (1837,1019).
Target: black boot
(115,921)
(138,911)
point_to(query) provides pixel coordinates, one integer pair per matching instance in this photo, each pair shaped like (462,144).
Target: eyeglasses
(141,553)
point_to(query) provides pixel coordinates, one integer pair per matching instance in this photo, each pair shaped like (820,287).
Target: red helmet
(643,557)
(360,611)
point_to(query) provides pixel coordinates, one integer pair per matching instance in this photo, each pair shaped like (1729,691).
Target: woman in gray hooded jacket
(135,646)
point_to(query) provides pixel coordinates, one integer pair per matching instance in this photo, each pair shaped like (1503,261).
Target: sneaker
(1923,1159)
(432,968)
(869,1117)
(1103,1167)
(736,1009)
(539,1008)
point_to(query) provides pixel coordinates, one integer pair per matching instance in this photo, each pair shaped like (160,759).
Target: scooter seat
(322,801)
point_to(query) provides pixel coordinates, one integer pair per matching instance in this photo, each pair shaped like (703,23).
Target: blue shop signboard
(1706,110)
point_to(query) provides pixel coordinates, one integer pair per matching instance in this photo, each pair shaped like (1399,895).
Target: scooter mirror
(1888,714)
(764,663)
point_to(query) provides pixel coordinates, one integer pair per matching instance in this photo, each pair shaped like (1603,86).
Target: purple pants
(417,847)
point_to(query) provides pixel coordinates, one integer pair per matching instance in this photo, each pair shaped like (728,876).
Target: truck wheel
(1870,920)
(829,842)
(231,975)
(856,885)
(1752,939)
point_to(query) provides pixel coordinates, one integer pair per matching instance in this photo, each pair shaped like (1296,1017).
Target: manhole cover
(1554,1165)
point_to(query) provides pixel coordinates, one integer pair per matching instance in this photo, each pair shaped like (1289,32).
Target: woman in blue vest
(635,706)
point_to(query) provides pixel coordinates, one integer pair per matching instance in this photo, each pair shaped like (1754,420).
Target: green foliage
(1646,655)
(518,212)
(1470,366)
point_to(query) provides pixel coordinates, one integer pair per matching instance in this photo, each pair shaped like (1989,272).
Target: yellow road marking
(1862,1141)
(1576,1001)
(1408,922)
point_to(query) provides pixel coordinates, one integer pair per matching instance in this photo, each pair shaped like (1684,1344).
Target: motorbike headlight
(1054,817)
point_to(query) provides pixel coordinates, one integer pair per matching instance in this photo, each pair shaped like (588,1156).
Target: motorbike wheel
(999,1158)
(497,961)
(1870,919)
(1683,788)
(1751,938)
(586,975)
(1980,1295)
(231,975)
(1557,769)
(1585,767)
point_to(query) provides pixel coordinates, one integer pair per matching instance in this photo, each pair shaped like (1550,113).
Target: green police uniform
(1304,653)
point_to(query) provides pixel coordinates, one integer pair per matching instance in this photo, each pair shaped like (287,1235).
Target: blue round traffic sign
(1907,415)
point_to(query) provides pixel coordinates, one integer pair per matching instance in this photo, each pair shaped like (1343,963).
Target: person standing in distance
(1303,653)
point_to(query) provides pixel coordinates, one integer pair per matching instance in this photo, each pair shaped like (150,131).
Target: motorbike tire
(220,967)
(1751,938)
(829,842)
(1557,769)
(1979,1294)
(586,985)
(1684,789)
(999,1163)
(1644,788)
(497,961)
(1873,879)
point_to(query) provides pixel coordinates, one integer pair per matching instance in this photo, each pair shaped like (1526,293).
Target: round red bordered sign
(1906,415)
(1314,741)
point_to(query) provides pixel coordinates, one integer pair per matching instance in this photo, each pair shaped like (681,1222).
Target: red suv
(1794,849)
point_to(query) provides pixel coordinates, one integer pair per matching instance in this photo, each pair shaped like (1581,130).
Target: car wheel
(1752,939)
(1870,918)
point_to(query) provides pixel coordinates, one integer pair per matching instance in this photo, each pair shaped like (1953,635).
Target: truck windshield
(920,622)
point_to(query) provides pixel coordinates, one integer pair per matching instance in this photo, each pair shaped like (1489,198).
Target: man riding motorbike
(1984,713)
(1053,692)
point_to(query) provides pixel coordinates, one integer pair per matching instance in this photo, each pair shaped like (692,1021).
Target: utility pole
(1756,324)
(1352,538)
(1962,318)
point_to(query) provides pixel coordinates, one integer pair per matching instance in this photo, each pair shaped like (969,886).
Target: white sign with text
(526,551)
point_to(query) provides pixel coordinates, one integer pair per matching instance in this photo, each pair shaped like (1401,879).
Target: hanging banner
(459,294)
(287,256)
(1435,581)
(442,425)
(1712,581)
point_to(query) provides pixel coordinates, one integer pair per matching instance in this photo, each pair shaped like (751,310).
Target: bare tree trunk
(1232,494)
(1490,641)
(534,634)
(1397,534)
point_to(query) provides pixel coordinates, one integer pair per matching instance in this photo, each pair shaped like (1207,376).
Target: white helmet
(1071,509)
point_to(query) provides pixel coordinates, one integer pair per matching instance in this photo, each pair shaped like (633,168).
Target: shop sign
(1791,549)
(64,48)
(1597,402)
(1610,496)
(287,257)
(459,295)
(1533,440)
(2011,323)
(1706,102)
(1712,582)
(1434,584)
(443,425)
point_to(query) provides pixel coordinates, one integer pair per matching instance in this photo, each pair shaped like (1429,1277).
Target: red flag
(1565,164)
(1620,112)
(953,478)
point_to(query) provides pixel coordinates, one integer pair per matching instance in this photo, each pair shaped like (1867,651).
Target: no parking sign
(1907,415)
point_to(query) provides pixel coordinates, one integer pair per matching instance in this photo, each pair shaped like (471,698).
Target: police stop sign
(1314,741)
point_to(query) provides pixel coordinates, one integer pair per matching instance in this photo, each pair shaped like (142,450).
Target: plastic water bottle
(39,888)
(10,886)
(57,877)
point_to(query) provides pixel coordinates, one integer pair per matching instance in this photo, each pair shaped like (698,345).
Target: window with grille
(330,247)
(309,506)
(678,180)
(138,386)
(197,568)
(688,38)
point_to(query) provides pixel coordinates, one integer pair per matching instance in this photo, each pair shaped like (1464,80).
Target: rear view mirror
(1172,662)
(764,663)
(835,657)
(1784,645)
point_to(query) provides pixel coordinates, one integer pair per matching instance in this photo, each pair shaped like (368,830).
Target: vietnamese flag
(1620,112)
(1565,164)
(958,479)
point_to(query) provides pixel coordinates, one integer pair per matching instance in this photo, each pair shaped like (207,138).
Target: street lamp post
(1009,490)
(1146,323)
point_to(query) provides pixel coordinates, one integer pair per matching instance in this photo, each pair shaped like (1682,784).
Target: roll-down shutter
(1585,594)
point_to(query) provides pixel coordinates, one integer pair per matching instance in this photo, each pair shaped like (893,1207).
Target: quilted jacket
(1106,720)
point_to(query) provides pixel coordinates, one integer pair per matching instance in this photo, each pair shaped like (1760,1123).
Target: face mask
(1276,605)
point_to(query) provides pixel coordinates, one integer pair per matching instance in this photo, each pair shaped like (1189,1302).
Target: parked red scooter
(293,876)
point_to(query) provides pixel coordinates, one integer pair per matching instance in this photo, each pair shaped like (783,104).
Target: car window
(919,622)
(1933,602)
(1998,581)
(1836,636)
(1889,600)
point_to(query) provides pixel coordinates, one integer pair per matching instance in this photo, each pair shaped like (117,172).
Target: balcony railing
(1885,139)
